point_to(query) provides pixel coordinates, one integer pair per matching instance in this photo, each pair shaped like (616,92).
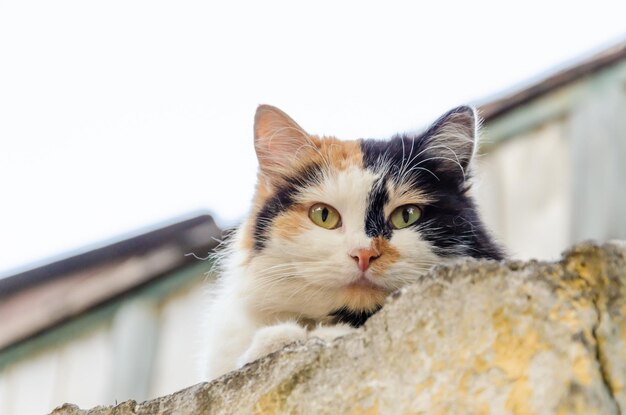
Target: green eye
(404,216)
(325,216)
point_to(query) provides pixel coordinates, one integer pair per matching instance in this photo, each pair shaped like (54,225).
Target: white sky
(117,115)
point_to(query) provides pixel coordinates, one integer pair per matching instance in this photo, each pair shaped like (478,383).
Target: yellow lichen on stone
(575,405)
(270,403)
(519,396)
(513,353)
(483,409)
(438,365)
(622,324)
(615,386)
(372,410)
(440,393)
(480,364)
(569,316)
(466,378)
(591,268)
(429,348)
(582,369)
(422,386)
(274,401)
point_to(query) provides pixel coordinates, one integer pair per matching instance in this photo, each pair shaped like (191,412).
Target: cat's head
(337,225)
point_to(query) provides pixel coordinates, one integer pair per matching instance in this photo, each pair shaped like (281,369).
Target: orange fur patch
(339,154)
(363,298)
(291,223)
(247,241)
(388,255)
(329,153)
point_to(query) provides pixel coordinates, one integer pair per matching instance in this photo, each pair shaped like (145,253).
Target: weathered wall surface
(551,160)
(479,337)
(140,346)
(540,204)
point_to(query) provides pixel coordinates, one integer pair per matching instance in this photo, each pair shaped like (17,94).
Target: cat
(336,226)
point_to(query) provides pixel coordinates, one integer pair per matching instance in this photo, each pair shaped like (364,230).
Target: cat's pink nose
(363,257)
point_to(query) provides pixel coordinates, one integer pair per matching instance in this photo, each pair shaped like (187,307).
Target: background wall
(143,345)
(553,169)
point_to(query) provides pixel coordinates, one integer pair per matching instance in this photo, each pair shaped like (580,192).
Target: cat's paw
(270,339)
(330,333)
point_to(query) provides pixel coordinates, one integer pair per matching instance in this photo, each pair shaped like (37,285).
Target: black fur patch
(281,201)
(353,318)
(375,222)
(451,223)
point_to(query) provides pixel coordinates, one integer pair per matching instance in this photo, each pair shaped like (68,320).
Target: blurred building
(122,321)
(553,164)
(115,323)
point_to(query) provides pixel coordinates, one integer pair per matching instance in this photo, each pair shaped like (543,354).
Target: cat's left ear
(452,140)
(279,142)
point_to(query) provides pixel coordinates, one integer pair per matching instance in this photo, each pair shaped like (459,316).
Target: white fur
(285,292)
(271,338)
(330,333)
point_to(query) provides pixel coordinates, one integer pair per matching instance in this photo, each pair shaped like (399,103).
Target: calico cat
(335,227)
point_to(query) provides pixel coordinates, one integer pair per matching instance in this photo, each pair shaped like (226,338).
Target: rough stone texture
(478,337)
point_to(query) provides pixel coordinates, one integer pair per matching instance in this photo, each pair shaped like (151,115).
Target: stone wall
(477,337)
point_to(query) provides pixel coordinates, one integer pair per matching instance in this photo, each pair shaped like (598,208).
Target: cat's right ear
(451,142)
(278,140)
